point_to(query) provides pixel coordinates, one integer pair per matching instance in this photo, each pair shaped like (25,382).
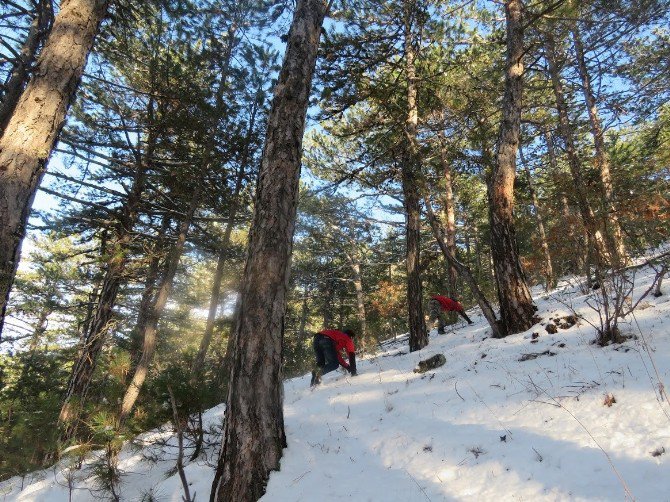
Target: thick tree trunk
(220,264)
(418,334)
(156,310)
(440,235)
(516,304)
(601,159)
(33,129)
(449,213)
(550,280)
(254,434)
(565,128)
(38,31)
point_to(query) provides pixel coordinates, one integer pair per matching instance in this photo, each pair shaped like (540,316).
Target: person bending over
(329,345)
(439,304)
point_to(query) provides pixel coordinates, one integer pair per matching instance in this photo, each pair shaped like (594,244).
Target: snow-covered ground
(485,426)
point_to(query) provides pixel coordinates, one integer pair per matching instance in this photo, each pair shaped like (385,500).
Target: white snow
(485,426)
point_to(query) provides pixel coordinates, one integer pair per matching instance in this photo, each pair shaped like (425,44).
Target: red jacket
(342,342)
(447,304)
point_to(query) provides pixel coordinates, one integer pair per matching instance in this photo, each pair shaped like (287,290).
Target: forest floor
(534,416)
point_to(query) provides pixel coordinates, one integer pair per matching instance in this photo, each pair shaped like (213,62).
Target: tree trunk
(550,280)
(254,434)
(355,263)
(304,311)
(516,304)
(147,299)
(464,271)
(418,334)
(38,31)
(449,213)
(101,322)
(565,128)
(328,300)
(218,276)
(38,118)
(601,159)
(156,311)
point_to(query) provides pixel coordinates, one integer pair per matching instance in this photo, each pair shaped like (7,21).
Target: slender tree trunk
(565,128)
(328,300)
(516,304)
(601,159)
(449,211)
(418,334)
(101,322)
(304,311)
(355,264)
(38,31)
(220,264)
(156,311)
(550,280)
(147,299)
(440,235)
(38,118)
(254,434)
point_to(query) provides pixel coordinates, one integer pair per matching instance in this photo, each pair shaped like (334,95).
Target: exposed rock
(431,363)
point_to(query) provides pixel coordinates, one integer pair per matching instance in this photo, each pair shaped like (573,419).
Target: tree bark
(565,128)
(254,434)
(516,304)
(38,31)
(601,159)
(38,118)
(410,170)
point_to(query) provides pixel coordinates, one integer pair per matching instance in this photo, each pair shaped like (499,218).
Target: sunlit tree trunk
(32,131)
(449,212)
(254,434)
(215,298)
(418,334)
(550,280)
(601,159)
(516,304)
(565,128)
(156,311)
(38,31)
(102,319)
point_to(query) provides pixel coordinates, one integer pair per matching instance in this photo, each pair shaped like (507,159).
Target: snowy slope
(485,426)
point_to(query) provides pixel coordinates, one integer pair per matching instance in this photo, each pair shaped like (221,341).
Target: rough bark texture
(516,304)
(418,334)
(601,159)
(565,128)
(38,31)
(31,133)
(254,434)
(440,235)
